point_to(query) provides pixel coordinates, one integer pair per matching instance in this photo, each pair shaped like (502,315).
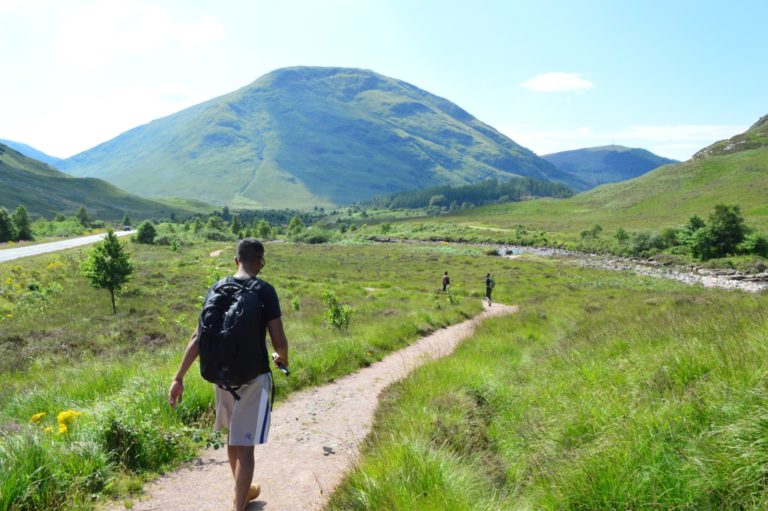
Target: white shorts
(247,419)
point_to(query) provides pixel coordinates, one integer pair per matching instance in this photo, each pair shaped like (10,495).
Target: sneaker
(254,491)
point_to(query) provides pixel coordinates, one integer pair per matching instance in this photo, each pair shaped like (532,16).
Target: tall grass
(61,349)
(606,391)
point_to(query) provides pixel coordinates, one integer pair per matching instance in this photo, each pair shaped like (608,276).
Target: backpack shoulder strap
(252,284)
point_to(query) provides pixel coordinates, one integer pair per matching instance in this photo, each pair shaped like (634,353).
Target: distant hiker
(489,285)
(245,308)
(446,281)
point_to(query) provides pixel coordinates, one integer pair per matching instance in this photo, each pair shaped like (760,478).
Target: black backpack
(231,352)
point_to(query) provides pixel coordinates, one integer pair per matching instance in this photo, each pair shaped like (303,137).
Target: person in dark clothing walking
(247,417)
(489,285)
(446,281)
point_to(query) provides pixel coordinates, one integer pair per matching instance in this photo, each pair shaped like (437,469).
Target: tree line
(477,194)
(16,226)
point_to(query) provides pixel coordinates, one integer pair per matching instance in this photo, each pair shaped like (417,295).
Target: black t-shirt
(270,309)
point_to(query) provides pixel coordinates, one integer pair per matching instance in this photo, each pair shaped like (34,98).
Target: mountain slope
(594,166)
(305,136)
(45,191)
(664,197)
(755,137)
(31,152)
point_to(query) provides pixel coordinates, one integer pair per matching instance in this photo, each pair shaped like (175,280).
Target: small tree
(726,228)
(126,219)
(337,315)
(83,216)
(262,229)
(216,223)
(694,224)
(22,224)
(235,226)
(108,266)
(7,232)
(146,233)
(295,226)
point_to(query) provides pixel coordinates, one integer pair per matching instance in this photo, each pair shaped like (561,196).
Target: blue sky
(671,76)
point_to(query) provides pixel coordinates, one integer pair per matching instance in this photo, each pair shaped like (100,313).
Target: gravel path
(314,438)
(724,279)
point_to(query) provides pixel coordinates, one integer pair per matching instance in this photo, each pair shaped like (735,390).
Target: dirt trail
(314,437)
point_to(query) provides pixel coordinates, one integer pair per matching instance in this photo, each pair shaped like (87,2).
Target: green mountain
(594,166)
(45,191)
(305,136)
(729,172)
(30,151)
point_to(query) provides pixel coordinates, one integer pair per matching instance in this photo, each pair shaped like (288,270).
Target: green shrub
(146,233)
(216,235)
(337,315)
(754,243)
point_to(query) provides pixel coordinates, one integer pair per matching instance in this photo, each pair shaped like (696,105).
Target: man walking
(245,410)
(489,285)
(446,281)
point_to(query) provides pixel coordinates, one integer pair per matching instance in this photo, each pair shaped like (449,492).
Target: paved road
(9,254)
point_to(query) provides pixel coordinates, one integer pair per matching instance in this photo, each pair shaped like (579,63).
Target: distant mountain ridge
(30,151)
(309,136)
(593,166)
(45,191)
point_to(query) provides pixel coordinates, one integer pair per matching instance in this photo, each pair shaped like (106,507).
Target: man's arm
(190,354)
(279,341)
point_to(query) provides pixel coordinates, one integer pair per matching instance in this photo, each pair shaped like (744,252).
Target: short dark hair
(249,250)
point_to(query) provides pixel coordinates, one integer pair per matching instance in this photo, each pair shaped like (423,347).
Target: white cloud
(100,31)
(558,82)
(673,141)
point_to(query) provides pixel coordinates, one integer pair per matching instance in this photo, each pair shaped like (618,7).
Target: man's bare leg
(232,457)
(243,473)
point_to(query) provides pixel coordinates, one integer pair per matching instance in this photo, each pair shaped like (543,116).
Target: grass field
(606,391)
(61,349)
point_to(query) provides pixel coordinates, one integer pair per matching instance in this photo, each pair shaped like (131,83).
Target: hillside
(45,191)
(306,136)
(30,151)
(594,166)
(755,137)
(666,196)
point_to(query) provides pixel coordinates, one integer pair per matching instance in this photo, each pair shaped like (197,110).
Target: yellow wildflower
(48,429)
(36,418)
(62,428)
(67,417)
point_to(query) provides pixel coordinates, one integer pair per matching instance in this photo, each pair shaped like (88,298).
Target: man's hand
(175,392)
(279,361)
